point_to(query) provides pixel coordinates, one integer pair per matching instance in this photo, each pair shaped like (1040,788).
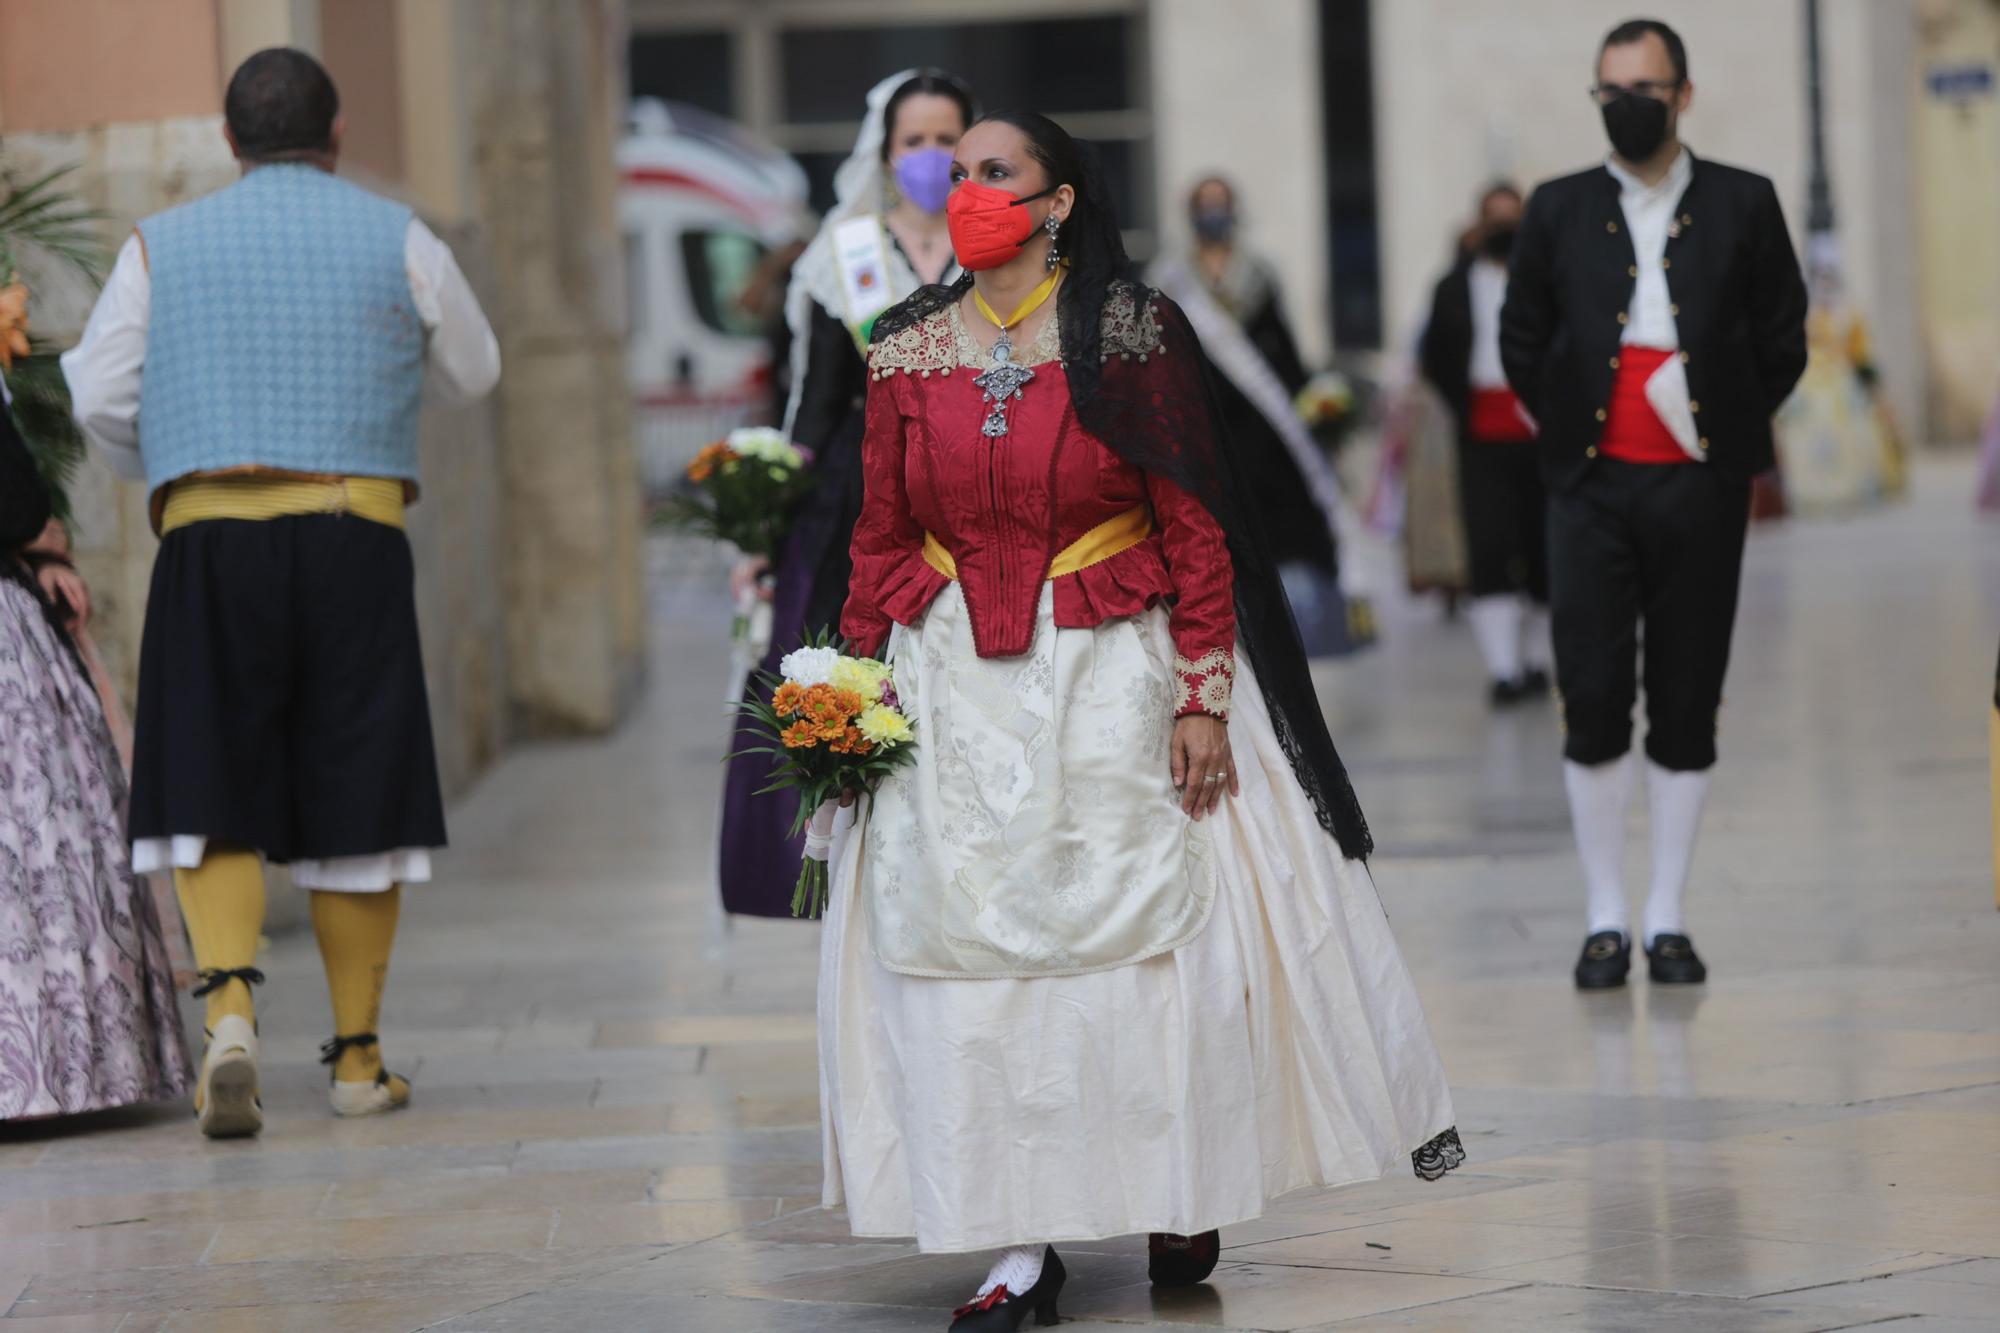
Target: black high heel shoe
(1181,1261)
(1003,1311)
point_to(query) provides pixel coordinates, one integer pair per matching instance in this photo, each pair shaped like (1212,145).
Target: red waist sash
(1496,418)
(1633,431)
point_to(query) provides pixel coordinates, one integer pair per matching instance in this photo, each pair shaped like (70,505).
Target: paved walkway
(616,1117)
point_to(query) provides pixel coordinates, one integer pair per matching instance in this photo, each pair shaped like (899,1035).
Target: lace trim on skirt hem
(1444,1153)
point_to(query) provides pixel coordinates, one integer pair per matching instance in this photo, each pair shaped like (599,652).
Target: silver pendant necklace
(998,384)
(1002,382)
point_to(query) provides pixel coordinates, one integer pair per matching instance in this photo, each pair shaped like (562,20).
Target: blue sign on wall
(1960,82)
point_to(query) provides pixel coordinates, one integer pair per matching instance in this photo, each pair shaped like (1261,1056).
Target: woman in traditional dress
(87,1013)
(884,237)
(1230,297)
(1105,958)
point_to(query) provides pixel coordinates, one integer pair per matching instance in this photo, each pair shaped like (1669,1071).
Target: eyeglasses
(1606,93)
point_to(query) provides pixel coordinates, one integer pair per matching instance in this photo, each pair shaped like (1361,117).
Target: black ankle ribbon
(333,1048)
(215,978)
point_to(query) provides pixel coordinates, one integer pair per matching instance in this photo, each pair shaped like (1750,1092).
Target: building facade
(1360,133)
(496,120)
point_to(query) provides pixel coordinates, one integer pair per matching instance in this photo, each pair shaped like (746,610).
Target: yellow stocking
(223,902)
(356,932)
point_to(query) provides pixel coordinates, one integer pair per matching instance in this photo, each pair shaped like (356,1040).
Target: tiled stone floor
(615,1120)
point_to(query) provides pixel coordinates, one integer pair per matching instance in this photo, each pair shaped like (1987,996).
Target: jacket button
(1601,414)
(1666,263)
(1614,363)
(1674,310)
(1611,227)
(1704,444)
(1685,358)
(1632,271)
(1591,452)
(1687,219)
(1694,407)
(1624,318)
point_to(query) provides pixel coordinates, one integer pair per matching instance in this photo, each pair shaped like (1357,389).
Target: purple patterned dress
(87,1013)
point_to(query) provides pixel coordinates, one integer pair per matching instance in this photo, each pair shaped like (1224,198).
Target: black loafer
(1672,961)
(1536,681)
(1507,693)
(1606,960)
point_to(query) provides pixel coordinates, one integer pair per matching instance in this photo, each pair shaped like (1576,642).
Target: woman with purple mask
(884,237)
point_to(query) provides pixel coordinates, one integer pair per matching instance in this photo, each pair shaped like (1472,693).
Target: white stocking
(1496,624)
(1535,641)
(1019,1269)
(1676,800)
(1598,795)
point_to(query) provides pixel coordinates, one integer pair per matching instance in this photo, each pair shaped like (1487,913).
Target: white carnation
(765,445)
(809,666)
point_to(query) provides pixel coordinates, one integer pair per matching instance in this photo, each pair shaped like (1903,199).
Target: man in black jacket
(1655,319)
(1499,476)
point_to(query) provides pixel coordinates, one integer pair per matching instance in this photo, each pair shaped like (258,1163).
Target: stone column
(1236,91)
(543,81)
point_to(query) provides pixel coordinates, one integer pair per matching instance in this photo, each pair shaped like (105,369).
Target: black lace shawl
(1159,413)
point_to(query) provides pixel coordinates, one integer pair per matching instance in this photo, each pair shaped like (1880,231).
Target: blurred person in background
(884,237)
(1500,480)
(258,357)
(1105,958)
(86,979)
(1654,322)
(1230,296)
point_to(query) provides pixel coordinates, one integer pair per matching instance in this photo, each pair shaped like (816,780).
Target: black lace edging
(1444,1153)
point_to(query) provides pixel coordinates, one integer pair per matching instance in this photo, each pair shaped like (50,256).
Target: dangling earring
(1052,226)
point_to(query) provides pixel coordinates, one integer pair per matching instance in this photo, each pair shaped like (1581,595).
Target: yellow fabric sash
(1092,548)
(199,499)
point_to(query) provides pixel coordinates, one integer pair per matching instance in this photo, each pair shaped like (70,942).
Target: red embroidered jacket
(1004,506)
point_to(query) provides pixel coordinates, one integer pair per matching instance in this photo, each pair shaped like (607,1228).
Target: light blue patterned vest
(283,333)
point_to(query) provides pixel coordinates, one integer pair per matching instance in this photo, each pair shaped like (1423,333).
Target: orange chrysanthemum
(708,460)
(788,698)
(829,710)
(850,741)
(800,736)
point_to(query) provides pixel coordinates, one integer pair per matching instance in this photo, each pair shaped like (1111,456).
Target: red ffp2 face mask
(986,232)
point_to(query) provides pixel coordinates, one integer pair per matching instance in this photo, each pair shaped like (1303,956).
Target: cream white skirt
(1281,1047)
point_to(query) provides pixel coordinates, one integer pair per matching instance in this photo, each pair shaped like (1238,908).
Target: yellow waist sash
(1094,547)
(199,499)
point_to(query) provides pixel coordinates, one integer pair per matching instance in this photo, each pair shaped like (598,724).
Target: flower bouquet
(741,490)
(833,724)
(1327,406)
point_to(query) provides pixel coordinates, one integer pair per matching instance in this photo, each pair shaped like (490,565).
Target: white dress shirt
(1488,281)
(105,370)
(1650,212)
(1649,216)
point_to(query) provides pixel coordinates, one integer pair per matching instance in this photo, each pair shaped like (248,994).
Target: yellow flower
(863,675)
(884,726)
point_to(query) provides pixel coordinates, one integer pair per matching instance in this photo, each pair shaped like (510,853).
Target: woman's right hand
(749,573)
(66,587)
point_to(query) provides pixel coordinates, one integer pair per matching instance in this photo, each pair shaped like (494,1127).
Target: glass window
(1354,237)
(1052,65)
(637,307)
(690,67)
(720,265)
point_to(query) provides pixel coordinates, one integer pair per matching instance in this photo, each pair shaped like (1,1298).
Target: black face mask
(1214,225)
(1637,125)
(1498,243)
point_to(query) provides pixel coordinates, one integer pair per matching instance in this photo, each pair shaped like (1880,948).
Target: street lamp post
(1819,206)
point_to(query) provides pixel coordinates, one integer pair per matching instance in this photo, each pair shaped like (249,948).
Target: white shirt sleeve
(104,369)
(462,358)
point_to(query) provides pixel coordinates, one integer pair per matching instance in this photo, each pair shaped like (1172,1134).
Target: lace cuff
(1204,685)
